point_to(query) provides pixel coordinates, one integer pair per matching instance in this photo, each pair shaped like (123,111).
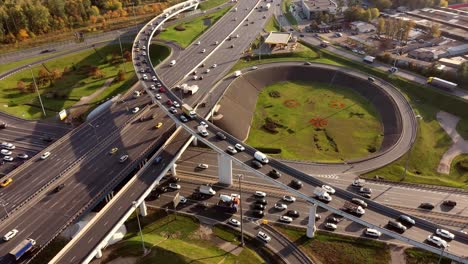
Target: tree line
(24,19)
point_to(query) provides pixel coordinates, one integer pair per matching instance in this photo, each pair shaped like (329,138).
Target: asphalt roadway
(400,197)
(375,217)
(29,137)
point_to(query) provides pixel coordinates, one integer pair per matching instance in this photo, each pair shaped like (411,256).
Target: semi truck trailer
(441,83)
(23,247)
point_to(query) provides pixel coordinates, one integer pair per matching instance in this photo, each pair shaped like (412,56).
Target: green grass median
(186,32)
(208,4)
(333,248)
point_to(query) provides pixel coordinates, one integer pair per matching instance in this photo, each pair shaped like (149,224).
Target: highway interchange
(79,176)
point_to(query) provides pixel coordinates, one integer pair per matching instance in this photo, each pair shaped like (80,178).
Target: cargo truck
(354,208)
(441,83)
(229,203)
(369,59)
(189,89)
(22,248)
(188,110)
(322,194)
(205,189)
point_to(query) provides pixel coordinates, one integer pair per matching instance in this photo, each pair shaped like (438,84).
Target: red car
(169,102)
(162,90)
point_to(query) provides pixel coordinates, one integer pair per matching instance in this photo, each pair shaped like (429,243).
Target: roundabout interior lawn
(349,122)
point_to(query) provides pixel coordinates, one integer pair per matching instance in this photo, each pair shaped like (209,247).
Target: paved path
(397,254)
(449,123)
(83,105)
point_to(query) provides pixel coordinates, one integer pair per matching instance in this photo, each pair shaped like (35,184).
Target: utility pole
(37,90)
(241,212)
(139,227)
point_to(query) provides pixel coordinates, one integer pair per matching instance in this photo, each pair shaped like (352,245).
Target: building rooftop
(319,5)
(278,38)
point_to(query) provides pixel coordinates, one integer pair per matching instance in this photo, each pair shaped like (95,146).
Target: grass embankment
(462,128)
(352,124)
(302,53)
(272,25)
(176,239)
(334,248)
(208,4)
(456,171)
(431,141)
(191,29)
(74,83)
(417,256)
(285,8)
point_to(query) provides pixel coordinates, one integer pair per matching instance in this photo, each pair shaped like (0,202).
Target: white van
(261,157)
(172,63)
(237,73)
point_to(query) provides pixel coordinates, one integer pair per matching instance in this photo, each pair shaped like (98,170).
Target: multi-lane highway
(395,196)
(376,214)
(94,174)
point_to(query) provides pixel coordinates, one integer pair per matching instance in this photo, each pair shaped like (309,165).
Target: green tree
(56,7)
(462,73)
(21,86)
(435,30)
(38,18)
(375,13)
(383,4)
(380,25)
(121,75)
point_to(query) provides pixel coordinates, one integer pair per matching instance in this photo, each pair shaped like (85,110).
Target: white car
(152,87)
(289,198)
(372,232)
(234,222)
(216,42)
(445,234)
(280,206)
(203,50)
(204,133)
(231,150)
(254,67)
(10,235)
(174,186)
(260,194)
(198,43)
(437,241)
(329,189)
(23,156)
(239,147)
(154,78)
(7,145)
(195,77)
(45,155)
(183,200)
(237,36)
(330,226)
(203,123)
(6,152)
(215,65)
(173,110)
(176,104)
(263,236)
(207,70)
(145,77)
(158,96)
(135,110)
(202,166)
(8,158)
(285,219)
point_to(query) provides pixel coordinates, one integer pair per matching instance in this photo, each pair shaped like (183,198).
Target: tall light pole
(95,134)
(4,208)
(241,212)
(37,90)
(135,204)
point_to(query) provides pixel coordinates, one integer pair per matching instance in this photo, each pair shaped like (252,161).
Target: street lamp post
(241,212)
(37,90)
(139,227)
(95,134)
(4,208)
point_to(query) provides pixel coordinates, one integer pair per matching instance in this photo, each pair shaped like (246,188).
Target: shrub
(180,28)
(463,164)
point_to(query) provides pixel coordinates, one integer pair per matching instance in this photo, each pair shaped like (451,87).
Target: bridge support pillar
(98,253)
(311,224)
(173,170)
(195,141)
(224,169)
(143,210)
